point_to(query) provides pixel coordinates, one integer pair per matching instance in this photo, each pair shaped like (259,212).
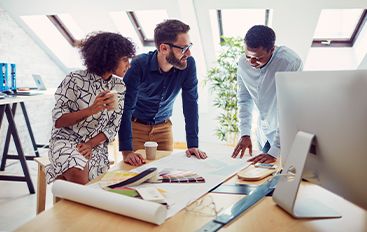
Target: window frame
(220,21)
(60,26)
(334,42)
(139,29)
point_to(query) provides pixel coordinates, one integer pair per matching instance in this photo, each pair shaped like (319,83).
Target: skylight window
(65,24)
(72,26)
(51,37)
(339,27)
(145,21)
(125,27)
(236,22)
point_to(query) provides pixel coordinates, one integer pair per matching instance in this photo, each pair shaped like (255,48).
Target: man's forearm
(73,118)
(125,132)
(190,110)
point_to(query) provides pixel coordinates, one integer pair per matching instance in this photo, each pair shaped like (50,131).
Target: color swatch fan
(179,176)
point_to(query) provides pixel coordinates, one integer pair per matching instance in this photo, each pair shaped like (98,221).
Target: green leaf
(222,81)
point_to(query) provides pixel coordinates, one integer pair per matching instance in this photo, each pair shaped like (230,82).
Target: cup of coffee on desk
(150,150)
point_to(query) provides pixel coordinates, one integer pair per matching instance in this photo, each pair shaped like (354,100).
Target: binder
(12,83)
(3,76)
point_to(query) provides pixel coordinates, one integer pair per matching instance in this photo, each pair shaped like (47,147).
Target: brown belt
(148,123)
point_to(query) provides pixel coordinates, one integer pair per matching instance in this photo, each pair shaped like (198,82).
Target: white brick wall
(16,46)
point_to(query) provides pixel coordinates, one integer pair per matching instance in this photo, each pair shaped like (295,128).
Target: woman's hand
(85,150)
(102,101)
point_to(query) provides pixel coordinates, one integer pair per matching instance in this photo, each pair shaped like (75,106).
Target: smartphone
(267,166)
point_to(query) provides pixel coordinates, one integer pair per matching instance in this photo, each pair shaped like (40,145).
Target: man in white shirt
(256,85)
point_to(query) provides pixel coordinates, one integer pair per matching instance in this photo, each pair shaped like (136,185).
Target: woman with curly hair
(86,115)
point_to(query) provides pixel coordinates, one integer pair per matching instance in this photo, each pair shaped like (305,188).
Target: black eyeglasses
(183,49)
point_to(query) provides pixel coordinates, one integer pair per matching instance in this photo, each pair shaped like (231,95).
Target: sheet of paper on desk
(215,169)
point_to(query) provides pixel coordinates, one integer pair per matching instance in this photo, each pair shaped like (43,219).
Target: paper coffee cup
(151,150)
(115,102)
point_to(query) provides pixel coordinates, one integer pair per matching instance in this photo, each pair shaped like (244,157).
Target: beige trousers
(162,134)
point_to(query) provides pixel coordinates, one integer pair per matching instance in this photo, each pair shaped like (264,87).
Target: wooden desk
(265,216)
(8,107)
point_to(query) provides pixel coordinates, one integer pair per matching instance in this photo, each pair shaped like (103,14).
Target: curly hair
(260,36)
(167,31)
(102,51)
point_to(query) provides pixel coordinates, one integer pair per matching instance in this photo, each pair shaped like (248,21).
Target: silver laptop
(39,84)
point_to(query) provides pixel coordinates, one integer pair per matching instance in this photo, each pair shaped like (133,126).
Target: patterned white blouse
(78,91)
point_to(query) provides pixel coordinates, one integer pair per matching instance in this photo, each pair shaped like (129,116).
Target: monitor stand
(285,194)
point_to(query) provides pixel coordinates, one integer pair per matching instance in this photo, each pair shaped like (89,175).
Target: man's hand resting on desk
(245,143)
(196,152)
(132,158)
(262,158)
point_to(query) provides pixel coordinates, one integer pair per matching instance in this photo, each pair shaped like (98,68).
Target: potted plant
(222,80)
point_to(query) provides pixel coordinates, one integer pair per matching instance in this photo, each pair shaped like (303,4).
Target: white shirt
(257,85)
(78,91)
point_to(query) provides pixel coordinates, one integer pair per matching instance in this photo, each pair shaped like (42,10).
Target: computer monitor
(323,137)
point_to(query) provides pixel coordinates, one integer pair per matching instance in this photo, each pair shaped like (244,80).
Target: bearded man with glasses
(153,82)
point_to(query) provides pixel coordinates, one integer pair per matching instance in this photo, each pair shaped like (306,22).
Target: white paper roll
(124,205)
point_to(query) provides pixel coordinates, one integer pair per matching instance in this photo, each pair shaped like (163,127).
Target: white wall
(207,120)
(360,49)
(17,47)
(330,59)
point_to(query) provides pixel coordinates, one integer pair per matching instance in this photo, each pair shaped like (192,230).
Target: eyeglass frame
(183,49)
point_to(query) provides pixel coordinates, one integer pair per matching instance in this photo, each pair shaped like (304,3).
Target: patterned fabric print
(78,91)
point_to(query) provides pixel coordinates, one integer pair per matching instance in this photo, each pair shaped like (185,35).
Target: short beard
(175,62)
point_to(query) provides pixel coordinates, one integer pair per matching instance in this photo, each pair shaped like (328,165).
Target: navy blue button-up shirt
(150,95)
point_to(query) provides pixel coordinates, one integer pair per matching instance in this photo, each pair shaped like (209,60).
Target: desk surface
(265,216)
(44,94)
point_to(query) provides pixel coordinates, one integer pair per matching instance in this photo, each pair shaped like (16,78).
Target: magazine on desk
(214,170)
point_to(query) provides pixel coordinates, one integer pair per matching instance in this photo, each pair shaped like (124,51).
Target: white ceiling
(294,21)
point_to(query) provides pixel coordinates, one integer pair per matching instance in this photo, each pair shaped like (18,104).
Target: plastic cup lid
(151,144)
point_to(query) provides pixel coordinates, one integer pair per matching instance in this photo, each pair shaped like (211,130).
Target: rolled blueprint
(128,206)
